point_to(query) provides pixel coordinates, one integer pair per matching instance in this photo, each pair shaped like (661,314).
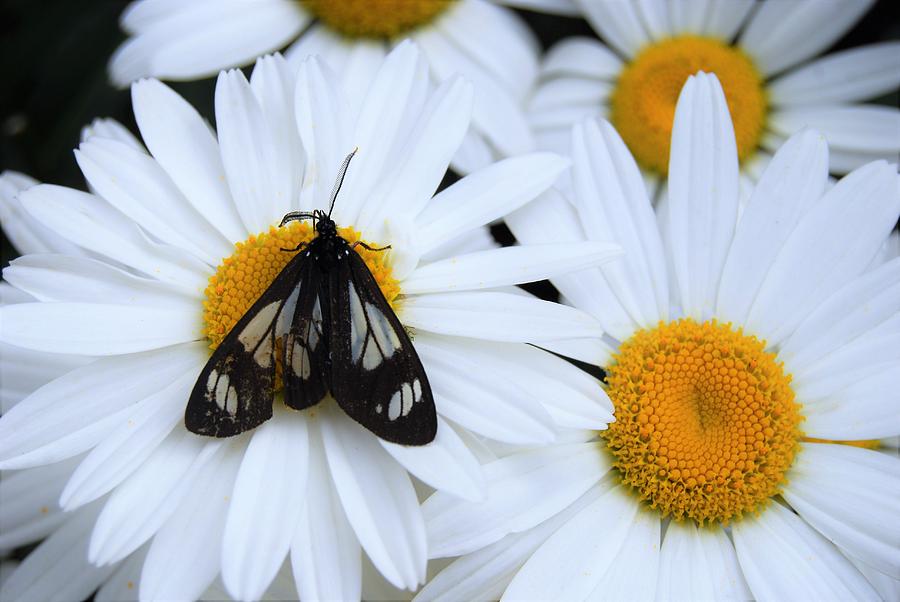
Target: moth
(337,335)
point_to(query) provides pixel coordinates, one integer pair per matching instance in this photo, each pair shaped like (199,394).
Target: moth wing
(235,390)
(306,344)
(377,377)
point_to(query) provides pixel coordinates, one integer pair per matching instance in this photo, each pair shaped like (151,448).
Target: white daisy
(159,296)
(486,43)
(764,54)
(747,352)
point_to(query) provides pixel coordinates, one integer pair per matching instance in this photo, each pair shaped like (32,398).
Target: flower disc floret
(706,423)
(243,276)
(381,19)
(644,99)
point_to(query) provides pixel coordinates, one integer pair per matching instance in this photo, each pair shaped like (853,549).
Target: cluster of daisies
(708,192)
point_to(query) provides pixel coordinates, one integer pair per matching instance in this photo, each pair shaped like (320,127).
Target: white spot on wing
(315,326)
(372,358)
(254,332)
(406,395)
(417,390)
(357,324)
(221,391)
(300,361)
(231,401)
(394,407)
(381,329)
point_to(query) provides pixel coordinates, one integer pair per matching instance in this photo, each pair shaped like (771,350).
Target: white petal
(850,75)
(87,221)
(866,409)
(791,183)
(82,279)
(253,165)
(703,192)
(699,564)
(619,23)
(325,553)
(888,588)
(581,57)
(445,464)
(562,7)
(524,490)
(25,233)
(563,92)
(266,505)
(509,265)
(784,558)
(122,585)
(75,412)
(379,500)
(140,429)
(582,555)
(864,128)
(833,243)
(23,371)
(136,185)
(58,570)
(725,17)
(684,17)
(145,500)
(205,37)
(29,503)
(323,123)
(612,201)
(829,484)
(186,147)
(185,555)
(594,352)
(780,35)
(497,317)
(112,129)
(95,329)
(473,241)
(485,196)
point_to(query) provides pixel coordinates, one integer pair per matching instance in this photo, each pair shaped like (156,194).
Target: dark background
(53,56)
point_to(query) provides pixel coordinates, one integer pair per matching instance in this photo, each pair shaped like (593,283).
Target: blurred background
(53,56)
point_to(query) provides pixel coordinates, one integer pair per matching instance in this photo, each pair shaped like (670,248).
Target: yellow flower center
(375,19)
(242,277)
(706,423)
(643,102)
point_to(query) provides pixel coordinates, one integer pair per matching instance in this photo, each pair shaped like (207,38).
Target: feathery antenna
(340,180)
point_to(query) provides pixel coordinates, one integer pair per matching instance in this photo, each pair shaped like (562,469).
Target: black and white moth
(337,334)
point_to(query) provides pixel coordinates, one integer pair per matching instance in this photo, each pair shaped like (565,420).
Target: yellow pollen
(242,277)
(375,19)
(706,423)
(644,99)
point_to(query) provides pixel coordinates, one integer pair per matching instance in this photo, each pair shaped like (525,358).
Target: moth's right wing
(236,388)
(306,345)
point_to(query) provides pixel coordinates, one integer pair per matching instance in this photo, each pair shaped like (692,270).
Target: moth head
(324,224)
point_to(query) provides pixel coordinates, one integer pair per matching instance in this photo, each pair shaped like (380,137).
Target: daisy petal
(378,498)
(204,37)
(888,588)
(266,505)
(497,317)
(323,122)
(95,329)
(827,486)
(445,464)
(568,8)
(145,500)
(136,185)
(703,192)
(581,57)
(120,586)
(29,503)
(792,182)
(783,558)
(325,554)
(75,412)
(725,17)
(22,372)
(833,242)
(595,352)
(699,564)
(249,154)
(866,409)
(485,573)
(185,555)
(82,279)
(781,35)
(687,17)
(847,76)
(866,128)
(139,431)
(112,129)
(507,266)
(579,556)
(87,221)
(523,491)
(186,147)
(58,570)
(26,233)
(619,23)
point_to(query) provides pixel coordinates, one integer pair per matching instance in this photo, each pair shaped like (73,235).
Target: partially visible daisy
(488,44)
(155,294)
(764,55)
(755,367)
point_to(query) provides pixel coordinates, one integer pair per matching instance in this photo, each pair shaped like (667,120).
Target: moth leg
(299,247)
(360,243)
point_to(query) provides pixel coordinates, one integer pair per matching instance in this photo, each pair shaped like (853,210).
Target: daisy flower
(486,43)
(747,357)
(765,56)
(182,240)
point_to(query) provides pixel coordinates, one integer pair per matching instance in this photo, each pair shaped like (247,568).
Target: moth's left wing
(376,375)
